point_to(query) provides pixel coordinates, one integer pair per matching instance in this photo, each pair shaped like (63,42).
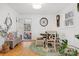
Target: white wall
(70,31)
(37,28)
(4,10)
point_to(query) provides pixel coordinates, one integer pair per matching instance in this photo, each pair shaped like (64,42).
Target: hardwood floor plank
(20,50)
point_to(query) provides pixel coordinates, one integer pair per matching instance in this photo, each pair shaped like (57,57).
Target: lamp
(36,6)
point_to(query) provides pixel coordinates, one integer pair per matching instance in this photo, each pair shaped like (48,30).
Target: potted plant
(63,46)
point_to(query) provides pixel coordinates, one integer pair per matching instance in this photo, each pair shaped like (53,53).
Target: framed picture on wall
(69,22)
(69,17)
(27,29)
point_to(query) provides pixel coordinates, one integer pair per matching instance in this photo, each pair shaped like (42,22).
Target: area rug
(41,51)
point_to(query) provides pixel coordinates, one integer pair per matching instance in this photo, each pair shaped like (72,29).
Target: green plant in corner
(73,53)
(63,46)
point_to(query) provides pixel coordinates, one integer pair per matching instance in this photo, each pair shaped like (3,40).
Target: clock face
(43,21)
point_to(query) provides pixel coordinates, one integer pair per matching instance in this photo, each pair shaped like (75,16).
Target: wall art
(69,17)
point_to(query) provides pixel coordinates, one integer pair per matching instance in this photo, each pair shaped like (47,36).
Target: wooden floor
(20,50)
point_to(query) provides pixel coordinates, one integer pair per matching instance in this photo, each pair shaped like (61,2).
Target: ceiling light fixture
(36,6)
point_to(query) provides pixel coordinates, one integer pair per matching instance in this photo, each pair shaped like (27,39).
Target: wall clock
(43,21)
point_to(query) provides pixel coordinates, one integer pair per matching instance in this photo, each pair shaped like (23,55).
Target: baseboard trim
(74,46)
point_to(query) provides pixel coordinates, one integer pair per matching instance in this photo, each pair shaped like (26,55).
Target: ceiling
(47,8)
